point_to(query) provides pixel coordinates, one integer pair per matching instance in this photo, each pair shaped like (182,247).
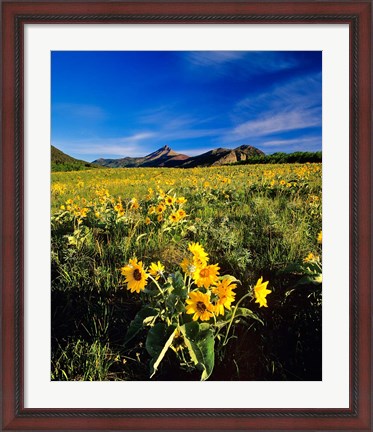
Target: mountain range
(166,157)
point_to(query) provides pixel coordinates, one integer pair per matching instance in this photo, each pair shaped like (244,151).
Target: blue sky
(114,104)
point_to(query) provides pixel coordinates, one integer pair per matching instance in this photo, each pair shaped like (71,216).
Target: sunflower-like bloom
(200,257)
(188,266)
(181,213)
(156,270)
(226,295)
(169,200)
(134,204)
(310,257)
(136,277)
(206,276)
(199,304)
(174,217)
(261,292)
(319,237)
(160,208)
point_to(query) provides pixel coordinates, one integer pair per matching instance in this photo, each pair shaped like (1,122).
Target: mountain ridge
(61,161)
(166,157)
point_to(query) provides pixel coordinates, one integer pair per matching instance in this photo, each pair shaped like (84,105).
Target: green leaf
(244,312)
(140,237)
(315,279)
(157,337)
(140,320)
(171,301)
(199,340)
(163,352)
(293,268)
(178,285)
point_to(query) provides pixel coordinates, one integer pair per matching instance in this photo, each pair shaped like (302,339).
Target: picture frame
(14,17)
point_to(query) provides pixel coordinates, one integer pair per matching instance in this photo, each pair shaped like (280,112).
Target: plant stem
(157,285)
(233,315)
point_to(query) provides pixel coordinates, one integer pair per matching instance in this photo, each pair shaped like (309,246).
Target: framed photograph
(186,224)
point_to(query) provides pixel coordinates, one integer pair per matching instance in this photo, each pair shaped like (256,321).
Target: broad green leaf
(171,301)
(163,352)
(138,322)
(178,285)
(199,340)
(157,337)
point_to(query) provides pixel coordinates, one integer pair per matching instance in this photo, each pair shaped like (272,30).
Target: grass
(253,220)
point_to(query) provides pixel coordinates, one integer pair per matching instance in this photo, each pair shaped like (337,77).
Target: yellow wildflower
(181,213)
(136,277)
(261,292)
(200,257)
(156,270)
(226,295)
(188,266)
(174,217)
(169,200)
(206,276)
(310,257)
(199,305)
(319,237)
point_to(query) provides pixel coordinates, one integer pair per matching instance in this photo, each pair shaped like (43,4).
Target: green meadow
(177,274)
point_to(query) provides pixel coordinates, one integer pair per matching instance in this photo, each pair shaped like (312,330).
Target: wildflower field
(187,274)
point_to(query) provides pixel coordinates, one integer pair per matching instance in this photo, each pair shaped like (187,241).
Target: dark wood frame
(358,15)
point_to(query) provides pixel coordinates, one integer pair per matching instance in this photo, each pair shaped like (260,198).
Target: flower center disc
(137,275)
(201,307)
(204,273)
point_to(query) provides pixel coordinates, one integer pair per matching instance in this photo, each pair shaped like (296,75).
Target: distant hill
(60,161)
(166,157)
(162,157)
(223,156)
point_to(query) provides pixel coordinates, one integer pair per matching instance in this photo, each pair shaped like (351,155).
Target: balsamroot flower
(156,270)
(199,304)
(319,237)
(136,277)
(261,292)
(200,257)
(226,295)
(188,266)
(206,276)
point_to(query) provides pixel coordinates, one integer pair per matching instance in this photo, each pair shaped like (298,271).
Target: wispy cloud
(136,137)
(211,58)
(171,125)
(248,63)
(291,106)
(303,92)
(294,141)
(273,122)
(291,145)
(131,146)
